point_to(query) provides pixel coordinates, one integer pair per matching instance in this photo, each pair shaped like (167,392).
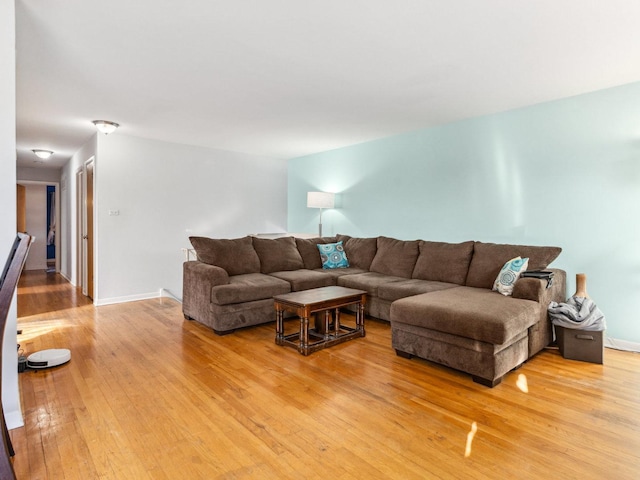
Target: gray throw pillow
(489,258)
(237,256)
(443,262)
(277,255)
(395,257)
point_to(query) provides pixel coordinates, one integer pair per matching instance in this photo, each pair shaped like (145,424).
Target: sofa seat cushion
(370,281)
(395,290)
(335,273)
(248,288)
(475,313)
(305,279)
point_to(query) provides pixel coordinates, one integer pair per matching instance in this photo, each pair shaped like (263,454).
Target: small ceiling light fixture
(105,126)
(43,154)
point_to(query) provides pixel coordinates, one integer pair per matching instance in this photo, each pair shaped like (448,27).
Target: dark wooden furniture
(326,303)
(8,283)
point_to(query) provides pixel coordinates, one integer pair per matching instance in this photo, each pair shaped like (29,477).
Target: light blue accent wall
(564,173)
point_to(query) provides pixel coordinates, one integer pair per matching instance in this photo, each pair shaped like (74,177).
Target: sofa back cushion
(395,257)
(237,256)
(443,262)
(489,258)
(308,249)
(277,255)
(360,251)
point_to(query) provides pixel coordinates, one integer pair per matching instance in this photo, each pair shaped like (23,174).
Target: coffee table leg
(304,335)
(327,321)
(360,318)
(337,323)
(279,327)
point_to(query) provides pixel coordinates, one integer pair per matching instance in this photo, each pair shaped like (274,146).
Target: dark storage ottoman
(583,345)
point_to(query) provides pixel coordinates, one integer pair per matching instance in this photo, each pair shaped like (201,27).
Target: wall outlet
(114,213)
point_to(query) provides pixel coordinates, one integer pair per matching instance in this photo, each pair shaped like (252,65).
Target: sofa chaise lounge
(437,296)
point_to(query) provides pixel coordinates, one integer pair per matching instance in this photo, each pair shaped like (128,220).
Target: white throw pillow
(509,274)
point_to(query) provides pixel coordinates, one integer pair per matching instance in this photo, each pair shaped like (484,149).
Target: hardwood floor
(148,395)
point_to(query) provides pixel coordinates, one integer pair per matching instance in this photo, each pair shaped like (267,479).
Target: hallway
(41,292)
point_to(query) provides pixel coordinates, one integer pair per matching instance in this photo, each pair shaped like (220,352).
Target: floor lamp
(320,200)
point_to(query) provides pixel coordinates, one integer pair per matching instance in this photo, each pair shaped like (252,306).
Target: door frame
(79,227)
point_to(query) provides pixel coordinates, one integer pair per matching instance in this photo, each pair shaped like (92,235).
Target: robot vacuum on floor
(48,358)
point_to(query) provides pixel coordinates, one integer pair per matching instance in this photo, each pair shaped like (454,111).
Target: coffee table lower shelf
(318,340)
(324,305)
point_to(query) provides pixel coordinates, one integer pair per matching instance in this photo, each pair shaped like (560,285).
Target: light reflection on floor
(470,435)
(33,330)
(522,384)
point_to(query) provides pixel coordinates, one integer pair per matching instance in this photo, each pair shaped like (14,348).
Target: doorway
(85,181)
(51,229)
(37,213)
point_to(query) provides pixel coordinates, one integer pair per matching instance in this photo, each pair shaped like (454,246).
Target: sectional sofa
(437,296)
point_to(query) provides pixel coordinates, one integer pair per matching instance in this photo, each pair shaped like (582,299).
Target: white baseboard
(163,292)
(621,345)
(128,298)
(166,293)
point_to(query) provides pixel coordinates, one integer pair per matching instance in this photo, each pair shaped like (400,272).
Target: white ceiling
(285,78)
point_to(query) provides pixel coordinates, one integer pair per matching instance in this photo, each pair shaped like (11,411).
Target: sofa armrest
(197,281)
(529,289)
(540,334)
(536,289)
(206,273)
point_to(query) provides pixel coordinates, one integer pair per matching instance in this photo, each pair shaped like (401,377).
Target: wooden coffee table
(325,303)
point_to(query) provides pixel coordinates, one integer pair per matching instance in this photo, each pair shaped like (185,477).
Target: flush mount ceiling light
(43,154)
(105,126)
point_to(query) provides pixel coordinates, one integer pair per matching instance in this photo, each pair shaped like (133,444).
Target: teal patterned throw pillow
(509,274)
(332,255)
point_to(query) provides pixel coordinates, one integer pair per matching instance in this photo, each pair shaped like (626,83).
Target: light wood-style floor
(148,395)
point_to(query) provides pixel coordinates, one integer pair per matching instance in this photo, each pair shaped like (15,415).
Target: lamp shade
(320,199)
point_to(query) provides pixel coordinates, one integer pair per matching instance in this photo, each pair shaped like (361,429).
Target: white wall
(36,218)
(49,175)
(164,193)
(10,394)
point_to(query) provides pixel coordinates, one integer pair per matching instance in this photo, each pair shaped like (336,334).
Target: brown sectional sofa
(437,296)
